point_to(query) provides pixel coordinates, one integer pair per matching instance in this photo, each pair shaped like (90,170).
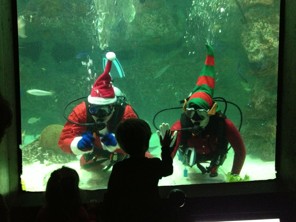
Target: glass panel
(160,50)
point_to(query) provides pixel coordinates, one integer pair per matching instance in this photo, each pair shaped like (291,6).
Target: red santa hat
(102,92)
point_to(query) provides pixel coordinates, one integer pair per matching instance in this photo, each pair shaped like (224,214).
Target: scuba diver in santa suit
(89,130)
(204,132)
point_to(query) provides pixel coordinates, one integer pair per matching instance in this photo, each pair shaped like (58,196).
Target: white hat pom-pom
(110,56)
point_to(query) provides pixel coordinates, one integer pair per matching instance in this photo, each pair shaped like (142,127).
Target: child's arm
(167,140)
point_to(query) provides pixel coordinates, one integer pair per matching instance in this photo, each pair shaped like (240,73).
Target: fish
(82,55)
(161,71)
(21,24)
(39,92)
(33,120)
(246,86)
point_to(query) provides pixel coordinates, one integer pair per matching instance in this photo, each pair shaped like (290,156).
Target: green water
(160,45)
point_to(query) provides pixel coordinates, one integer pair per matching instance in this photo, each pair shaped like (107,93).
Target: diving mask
(198,116)
(100,111)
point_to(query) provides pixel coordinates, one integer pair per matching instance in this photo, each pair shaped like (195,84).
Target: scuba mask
(199,117)
(100,111)
(196,115)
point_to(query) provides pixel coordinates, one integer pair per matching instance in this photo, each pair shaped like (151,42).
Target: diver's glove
(109,139)
(109,142)
(86,142)
(167,137)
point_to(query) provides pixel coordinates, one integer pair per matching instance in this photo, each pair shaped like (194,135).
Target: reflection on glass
(160,47)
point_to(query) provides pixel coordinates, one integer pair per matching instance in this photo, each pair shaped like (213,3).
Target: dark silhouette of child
(5,121)
(132,193)
(6,116)
(62,196)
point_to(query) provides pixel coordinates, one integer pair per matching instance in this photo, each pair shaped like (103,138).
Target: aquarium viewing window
(160,51)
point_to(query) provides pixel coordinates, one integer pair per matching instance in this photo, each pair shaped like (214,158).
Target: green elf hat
(202,94)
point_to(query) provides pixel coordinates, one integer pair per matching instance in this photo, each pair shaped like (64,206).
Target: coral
(45,149)
(260,37)
(56,21)
(260,120)
(260,40)
(49,137)
(108,20)
(260,130)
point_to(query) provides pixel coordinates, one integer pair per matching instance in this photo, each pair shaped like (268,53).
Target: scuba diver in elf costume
(89,130)
(203,131)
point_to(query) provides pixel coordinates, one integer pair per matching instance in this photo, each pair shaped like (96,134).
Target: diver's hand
(109,139)
(166,136)
(86,142)
(109,142)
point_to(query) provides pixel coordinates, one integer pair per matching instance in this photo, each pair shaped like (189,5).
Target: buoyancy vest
(215,132)
(111,126)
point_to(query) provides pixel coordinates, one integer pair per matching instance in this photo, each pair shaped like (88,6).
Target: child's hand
(162,130)
(166,136)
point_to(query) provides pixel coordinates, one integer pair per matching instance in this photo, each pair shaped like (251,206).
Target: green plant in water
(236,178)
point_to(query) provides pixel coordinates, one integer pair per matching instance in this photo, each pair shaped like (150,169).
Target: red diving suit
(210,144)
(72,133)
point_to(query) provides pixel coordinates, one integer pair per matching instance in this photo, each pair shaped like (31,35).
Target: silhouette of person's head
(177,198)
(133,136)
(6,116)
(62,188)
